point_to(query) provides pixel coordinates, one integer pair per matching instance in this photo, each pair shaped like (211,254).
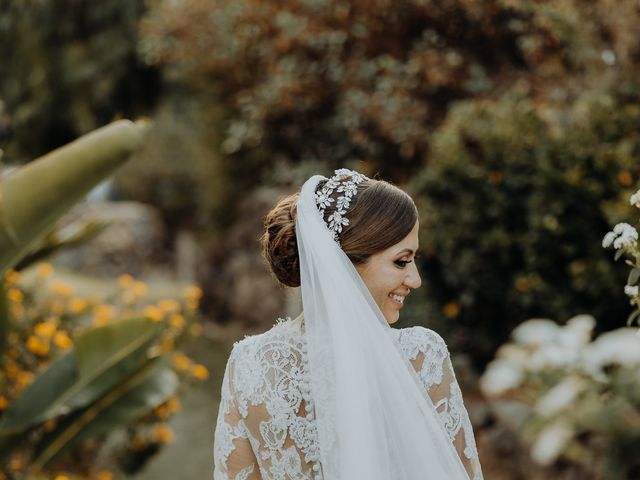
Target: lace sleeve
(234,458)
(430,357)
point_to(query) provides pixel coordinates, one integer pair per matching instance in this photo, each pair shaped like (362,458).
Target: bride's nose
(413,279)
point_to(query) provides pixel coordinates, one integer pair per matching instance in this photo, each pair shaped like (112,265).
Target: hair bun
(279,245)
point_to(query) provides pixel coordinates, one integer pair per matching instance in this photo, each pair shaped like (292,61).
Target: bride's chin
(392,317)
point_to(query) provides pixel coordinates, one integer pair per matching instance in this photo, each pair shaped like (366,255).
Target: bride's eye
(402,263)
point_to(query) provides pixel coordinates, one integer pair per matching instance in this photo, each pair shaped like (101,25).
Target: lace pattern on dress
(266,417)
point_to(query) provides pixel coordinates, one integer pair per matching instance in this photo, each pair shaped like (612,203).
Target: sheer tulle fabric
(372,416)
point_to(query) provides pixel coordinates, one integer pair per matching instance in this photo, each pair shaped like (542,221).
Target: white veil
(374,419)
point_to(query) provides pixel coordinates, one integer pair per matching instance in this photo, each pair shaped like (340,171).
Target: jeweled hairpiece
(348,187)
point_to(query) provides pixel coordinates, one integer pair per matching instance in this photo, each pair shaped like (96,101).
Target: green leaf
(632,317)
(618,254)
(44,398)
(5,321)
(634,275)
(103,356)
(109,353)
(144,390)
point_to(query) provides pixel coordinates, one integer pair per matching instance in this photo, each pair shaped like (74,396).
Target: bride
(336,394)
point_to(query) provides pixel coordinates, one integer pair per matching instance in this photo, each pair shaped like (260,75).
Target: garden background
(514,124)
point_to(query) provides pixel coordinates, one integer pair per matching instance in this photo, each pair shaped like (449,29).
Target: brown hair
(380,216)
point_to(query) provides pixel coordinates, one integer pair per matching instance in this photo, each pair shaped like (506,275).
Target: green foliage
(147,388)
(77,370)
(66,69)
(516,206)
(339,81)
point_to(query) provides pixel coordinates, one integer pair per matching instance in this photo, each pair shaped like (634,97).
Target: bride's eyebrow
(406,250)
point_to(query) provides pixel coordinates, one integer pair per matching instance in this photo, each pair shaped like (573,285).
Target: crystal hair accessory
(348,187)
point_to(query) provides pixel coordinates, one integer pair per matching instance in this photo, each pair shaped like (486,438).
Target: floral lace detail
(266,417)
(429,355)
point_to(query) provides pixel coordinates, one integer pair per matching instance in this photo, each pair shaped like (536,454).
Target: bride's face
(391,273)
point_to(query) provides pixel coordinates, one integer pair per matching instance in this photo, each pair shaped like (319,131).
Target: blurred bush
(80,371)
(339,81)
(516,199)
(578,401)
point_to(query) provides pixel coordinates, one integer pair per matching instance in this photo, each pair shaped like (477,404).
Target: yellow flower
(162,433)
(173,405)
(192,292)
(4,403)
(37,346)
(168,345)
(15,295)
(62,288)
(200,372)
(24,378)
(192,304)
(16,463)
(16,310)
(11,369)
(62,340)
(44,270)
(11,277)
(451,310)
(45,329)
(140,289)
(125,280)
(105,475)
(61,477)
(77,305)
(102,314)
(169,305)
(162,412)
(182,362)
(152,312)
(57,307)
(177,320)
(50,424)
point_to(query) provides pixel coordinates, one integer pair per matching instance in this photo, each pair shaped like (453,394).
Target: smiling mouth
(399,299)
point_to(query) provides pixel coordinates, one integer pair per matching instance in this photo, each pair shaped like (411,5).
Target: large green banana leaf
(143,390)
(102,358)
(36,195)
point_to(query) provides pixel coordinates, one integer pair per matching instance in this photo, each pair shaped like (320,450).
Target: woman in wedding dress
(336,394)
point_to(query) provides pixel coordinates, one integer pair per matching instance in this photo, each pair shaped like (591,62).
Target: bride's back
(266,428)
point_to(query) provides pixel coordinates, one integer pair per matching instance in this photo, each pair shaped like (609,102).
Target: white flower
(620,347)
(499,377)
(514,354)
(560,396)
(608,239)
(581,328)
(630,290)
(551,442)
(537,331)
(635,199)
(554,355)
(627,235)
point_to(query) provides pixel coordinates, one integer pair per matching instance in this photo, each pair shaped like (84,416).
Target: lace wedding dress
(266,428)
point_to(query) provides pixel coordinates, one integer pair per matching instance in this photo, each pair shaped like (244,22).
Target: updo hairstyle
(380,215)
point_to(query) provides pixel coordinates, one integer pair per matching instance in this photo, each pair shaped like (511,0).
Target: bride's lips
(397,298)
